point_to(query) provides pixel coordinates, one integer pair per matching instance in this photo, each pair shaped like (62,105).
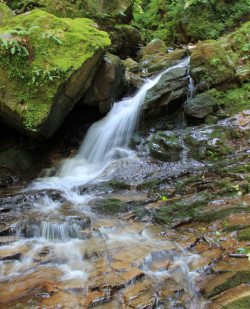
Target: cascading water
(109,138)
(78,254)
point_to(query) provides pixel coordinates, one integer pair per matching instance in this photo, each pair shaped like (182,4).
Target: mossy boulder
(129,63)
(183,210)
(223,61)
(238,41)
(5,13)
(153,47)
(209,143)
(244,234)
(46,65)
(165,146)
(153,64)
(200,106)
(212,64)
(109,84)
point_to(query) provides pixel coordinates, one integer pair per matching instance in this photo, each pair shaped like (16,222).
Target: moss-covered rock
(5,13)
(237,279)
(233,100)
(180,211)
(153,47)
(110,206)
(121,9)
(157,62)
(223,61)
(240,303)
(126,39)
(165,146)
(109,84)
(46,65)
(212,63)
(209,143)
(244,234)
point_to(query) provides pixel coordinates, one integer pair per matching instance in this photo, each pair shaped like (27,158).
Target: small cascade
(55,231)
(108,139)
(191,87)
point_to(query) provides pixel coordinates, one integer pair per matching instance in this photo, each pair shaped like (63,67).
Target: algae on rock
(46,65)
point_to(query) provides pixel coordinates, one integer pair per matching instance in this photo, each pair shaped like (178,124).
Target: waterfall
(109,138)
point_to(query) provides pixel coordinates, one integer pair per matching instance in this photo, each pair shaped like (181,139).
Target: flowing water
(91,259)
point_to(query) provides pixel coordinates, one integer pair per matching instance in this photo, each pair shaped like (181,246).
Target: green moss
(241,303)
(191,209)
(5,13)
(237,279)
(77,8)
(186,209)
(150,185)
(210,144)
(110,206)
(236,227)
(118,185)
(220,214)
(212,63)
(239,41)
(30,77)
(244,234)
(233,100)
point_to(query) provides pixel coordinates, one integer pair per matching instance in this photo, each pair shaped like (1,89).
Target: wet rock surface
(151,242)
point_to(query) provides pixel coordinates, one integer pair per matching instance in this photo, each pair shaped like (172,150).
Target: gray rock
(172,86)
(200,106)
(16,164)
(109,84)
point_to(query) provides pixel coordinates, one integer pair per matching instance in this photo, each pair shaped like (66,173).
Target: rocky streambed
(136,238)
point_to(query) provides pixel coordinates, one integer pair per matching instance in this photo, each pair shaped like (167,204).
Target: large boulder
(202,105)
(223,61)
(126,39)
(172,87)
(109,84)
(112,16)
(46,65)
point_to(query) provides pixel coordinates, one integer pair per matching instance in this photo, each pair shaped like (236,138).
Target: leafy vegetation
(178,21)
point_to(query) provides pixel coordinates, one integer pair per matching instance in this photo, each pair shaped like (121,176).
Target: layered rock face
(47,63)
(108,85)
